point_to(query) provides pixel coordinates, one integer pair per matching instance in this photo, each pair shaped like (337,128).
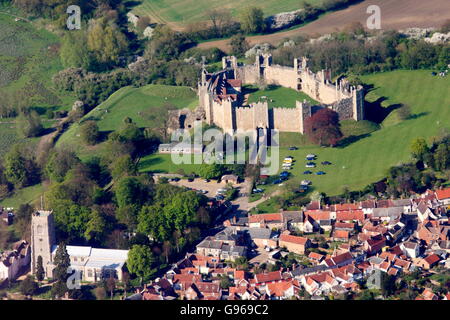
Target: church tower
(42,240)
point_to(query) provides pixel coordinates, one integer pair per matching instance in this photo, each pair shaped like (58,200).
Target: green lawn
(29,57)
(366,160)
(277,96)
(187,11)
(25,195)
(142,105)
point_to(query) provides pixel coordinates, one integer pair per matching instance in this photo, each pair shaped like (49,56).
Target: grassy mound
(145,106)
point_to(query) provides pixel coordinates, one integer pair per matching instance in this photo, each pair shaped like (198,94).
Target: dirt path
(395,14)
(48,138)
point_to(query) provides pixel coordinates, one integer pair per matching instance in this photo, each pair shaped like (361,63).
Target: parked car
(176,179)
(305,182)
(326,163)
(206,180)
(284,174)
(190,179)
(277,181)
(293,148)
(307,172)
(320,173)
(310,165)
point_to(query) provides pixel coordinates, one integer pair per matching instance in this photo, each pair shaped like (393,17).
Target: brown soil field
(395,14)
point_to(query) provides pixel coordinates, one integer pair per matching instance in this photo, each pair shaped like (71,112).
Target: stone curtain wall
(287,119)
(281,76)
(231,116)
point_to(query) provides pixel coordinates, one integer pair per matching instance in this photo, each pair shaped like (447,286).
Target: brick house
(294,244)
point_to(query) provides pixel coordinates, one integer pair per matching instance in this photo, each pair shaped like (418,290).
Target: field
(28,59)
(371,153)
(178,13)
(395,14)
(139,104)
(277,96)
(25,195)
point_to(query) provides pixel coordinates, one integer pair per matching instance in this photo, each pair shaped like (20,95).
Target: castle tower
(42,240)
(304,109)
(358,103)
(267,59)
(304,63)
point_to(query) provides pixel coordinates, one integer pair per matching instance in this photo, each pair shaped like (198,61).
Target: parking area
(200,184)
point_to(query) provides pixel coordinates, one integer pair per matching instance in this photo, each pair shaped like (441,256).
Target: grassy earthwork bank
(145,106)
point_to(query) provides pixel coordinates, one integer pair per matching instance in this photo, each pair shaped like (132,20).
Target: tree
(89,132)
(419,149)
(122,166)
(442,157)
(252,20)
(141,261)
(219,19)
(239,45)
(60,163)
(62,264)
(404,112)
(74,52)
(96,228)
(211,171)
(29,124)
(130,191)
(111,285)
(106,41)
(40,273)
(15,168)
(28,287)
(323,127)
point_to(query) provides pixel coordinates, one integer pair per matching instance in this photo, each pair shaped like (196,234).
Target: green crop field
(187,11)
(139,104)
(28,59)
(277,96)
(367,159)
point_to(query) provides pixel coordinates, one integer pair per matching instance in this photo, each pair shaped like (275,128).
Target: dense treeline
(352,52)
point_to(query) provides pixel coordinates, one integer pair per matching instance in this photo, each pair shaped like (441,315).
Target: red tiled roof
(269,276)
(318,214)
(350,215)
(315,256)
(344,207)
(265,217)
(443,194)
(278,289)
(342,234)
(432,258)
(293,239)
(235,82)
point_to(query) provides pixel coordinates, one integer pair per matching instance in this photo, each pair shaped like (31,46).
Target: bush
(89,132)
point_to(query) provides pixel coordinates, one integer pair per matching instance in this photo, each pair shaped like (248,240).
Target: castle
(92,264)
(221,97)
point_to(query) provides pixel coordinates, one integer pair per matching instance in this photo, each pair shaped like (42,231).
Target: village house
(428,262)
(374,244)
(411,249)
(12,262)
(267,220)
(443,196)
(294,244)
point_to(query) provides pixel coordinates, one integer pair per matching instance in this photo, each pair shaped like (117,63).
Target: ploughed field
(395,14)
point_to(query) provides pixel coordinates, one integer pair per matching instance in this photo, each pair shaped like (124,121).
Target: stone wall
(287,119)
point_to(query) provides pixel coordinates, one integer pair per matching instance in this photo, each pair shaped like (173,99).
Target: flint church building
(93,264)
